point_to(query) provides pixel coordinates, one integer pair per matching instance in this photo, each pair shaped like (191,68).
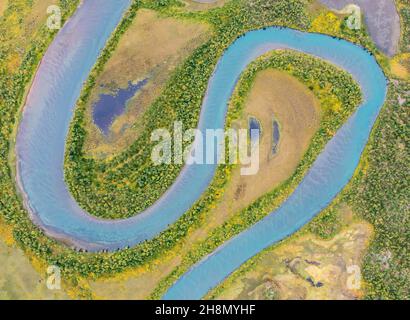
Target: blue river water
(49,109)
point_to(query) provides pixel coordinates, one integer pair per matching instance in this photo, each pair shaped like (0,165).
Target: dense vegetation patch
(381,195)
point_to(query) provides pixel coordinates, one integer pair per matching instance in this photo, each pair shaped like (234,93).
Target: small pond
(110,106)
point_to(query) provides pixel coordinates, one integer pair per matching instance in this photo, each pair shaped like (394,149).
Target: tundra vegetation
(304,267)
(273,94)
(378,193)
(126,184)
(404,11)
(151,48)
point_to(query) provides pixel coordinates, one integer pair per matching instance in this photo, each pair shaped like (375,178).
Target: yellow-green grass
(400,66)
(16,35)
(274,94)
(151,48)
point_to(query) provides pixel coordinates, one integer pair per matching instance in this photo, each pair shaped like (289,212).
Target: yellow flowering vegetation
(326,22)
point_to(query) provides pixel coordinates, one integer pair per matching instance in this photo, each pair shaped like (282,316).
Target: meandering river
(49,109)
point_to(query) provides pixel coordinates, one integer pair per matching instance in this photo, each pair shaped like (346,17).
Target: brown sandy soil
(282,272)
(273,94)
(19,280)
(151,48)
